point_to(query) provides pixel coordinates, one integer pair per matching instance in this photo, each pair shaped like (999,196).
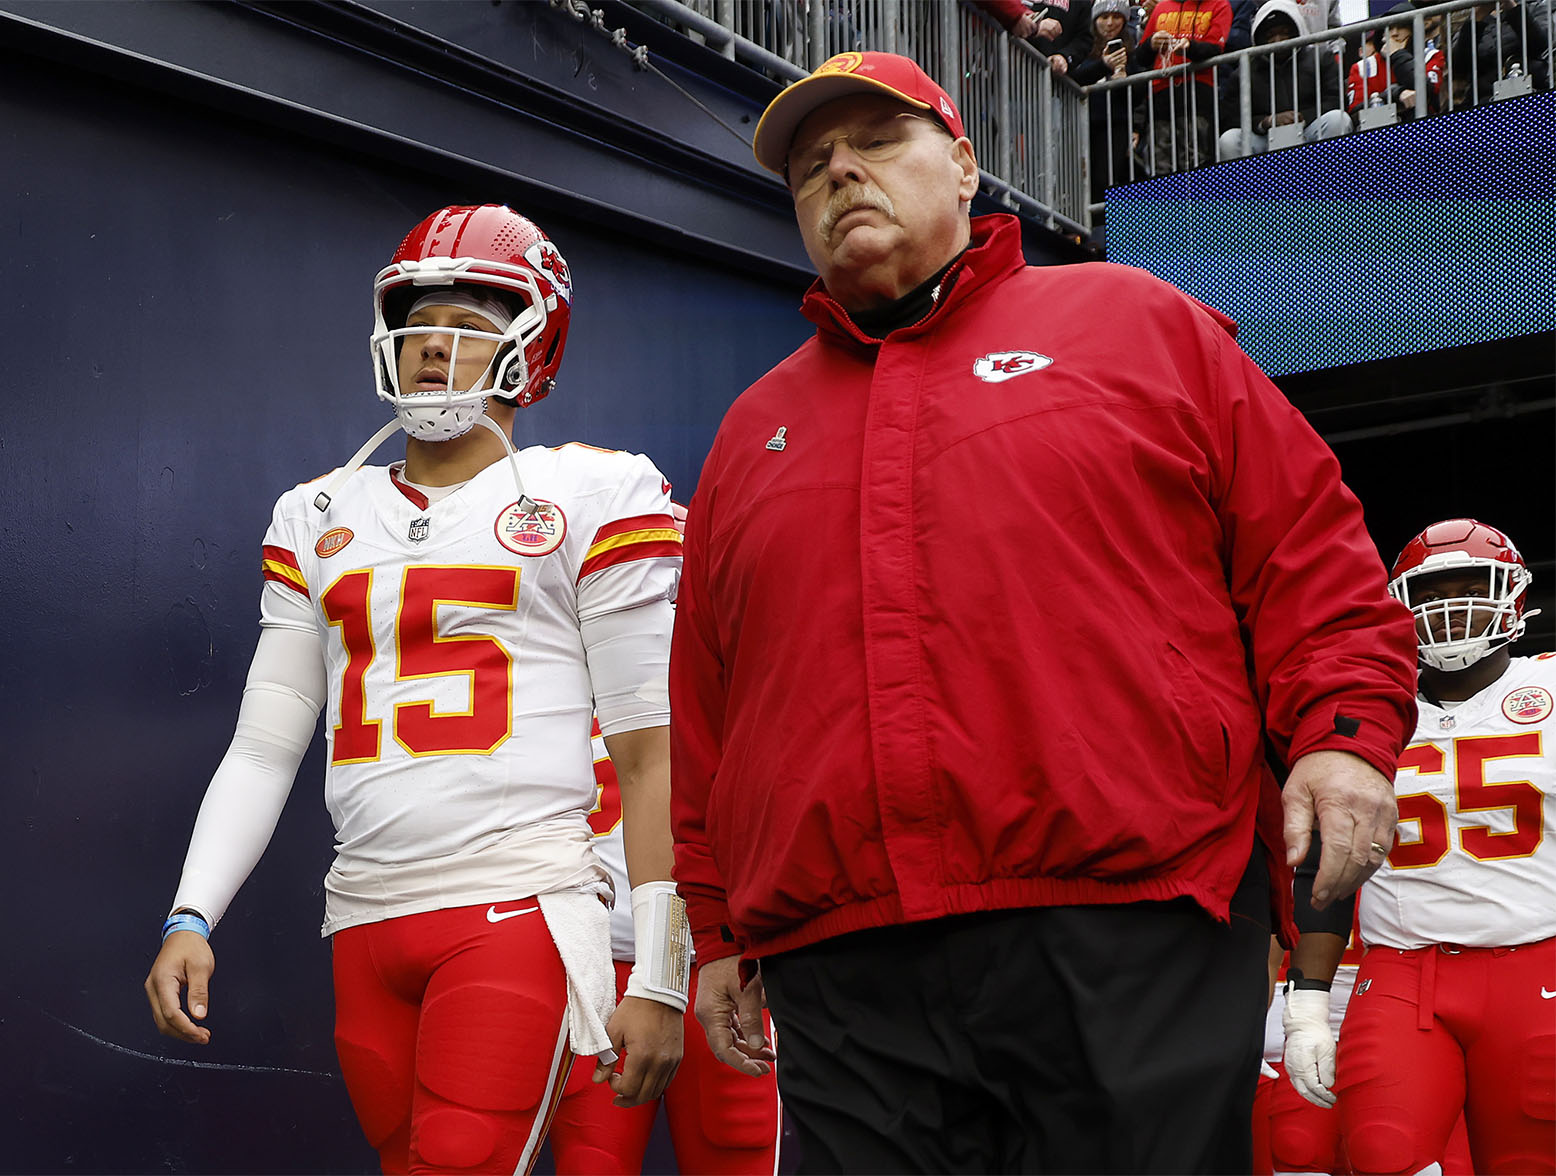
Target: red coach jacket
(987,615)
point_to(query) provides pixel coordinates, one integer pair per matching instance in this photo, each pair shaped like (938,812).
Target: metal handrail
(1318,40)
(1024,170)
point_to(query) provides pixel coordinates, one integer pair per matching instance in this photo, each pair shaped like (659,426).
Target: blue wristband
(186,921)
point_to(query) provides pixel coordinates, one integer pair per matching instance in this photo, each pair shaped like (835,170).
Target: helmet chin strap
(324,497)
(527,505)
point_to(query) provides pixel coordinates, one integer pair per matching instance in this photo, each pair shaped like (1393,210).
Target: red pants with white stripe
(1432,1030)
(721,1121)
(452,1035)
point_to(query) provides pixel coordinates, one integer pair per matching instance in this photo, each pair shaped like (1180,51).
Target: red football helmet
(490,250)
(1469,627)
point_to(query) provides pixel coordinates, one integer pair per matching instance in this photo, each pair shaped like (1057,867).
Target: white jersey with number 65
(1475,860)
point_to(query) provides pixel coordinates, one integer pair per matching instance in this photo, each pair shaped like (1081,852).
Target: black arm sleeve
(1337,918)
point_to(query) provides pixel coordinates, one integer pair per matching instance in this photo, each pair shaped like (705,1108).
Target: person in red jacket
(1180,109)
(988,631)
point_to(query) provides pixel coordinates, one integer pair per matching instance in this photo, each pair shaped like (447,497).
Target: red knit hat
(838,77)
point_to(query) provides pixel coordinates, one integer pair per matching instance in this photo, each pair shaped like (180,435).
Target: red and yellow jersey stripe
(280,565)
(622,541)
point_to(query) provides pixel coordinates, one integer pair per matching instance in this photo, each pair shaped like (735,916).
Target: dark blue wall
(197,196)
(189,302)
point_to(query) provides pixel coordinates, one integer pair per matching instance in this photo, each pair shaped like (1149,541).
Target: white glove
(1310,1046)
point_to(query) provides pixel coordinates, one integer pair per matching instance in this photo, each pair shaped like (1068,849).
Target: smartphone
(1113,46)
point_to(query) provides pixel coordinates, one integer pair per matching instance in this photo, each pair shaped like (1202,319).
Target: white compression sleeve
(243,802)
(629,665)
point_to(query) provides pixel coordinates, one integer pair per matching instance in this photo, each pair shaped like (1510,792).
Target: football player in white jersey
(721,1120)
(1453,1005)
(458,617)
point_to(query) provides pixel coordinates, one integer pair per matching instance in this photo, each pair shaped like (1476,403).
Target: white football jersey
(460,699)
(1475,860)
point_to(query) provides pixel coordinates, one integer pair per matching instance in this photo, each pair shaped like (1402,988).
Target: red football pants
(721,1121)
(1297,1136)
(452,1035)
(1433,1030)
(1290,1134)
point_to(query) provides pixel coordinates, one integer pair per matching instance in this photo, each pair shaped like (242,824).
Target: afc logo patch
(538,533)
(1532,704)
(999,366)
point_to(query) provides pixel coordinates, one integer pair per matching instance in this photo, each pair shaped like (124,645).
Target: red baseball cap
(837,77)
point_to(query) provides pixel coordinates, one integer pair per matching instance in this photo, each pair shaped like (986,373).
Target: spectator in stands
(1179,109)
(1112,124)
(1240,35)
(1386,71)
(1501,40)
(1298,86)
(1058,29)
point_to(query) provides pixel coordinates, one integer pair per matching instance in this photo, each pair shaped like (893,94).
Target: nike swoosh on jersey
(493,916)
(1547,995)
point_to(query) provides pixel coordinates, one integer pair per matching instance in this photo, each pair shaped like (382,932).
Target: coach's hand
(185,961)
(731,1017)
(1352,804)
(1310,1046)
(648,1036)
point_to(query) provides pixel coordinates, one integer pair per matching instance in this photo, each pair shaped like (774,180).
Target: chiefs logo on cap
(842,63)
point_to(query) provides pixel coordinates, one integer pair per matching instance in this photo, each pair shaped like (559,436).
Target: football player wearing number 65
(1455,1002)
(458,616)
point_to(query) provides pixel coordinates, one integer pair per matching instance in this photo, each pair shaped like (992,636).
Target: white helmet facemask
(1472,626)
(449,412)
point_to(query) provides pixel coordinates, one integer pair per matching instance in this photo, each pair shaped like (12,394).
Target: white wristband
(663,966)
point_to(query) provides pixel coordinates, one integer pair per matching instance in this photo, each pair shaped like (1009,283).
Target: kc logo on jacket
(999,366)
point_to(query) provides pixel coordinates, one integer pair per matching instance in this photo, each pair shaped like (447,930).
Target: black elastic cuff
(1297,981)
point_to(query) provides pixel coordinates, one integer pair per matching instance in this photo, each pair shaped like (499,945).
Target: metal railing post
(1045,109)
(1245,104)
(725,15)
(891,18)
(816,18)
(948,68)
(1002,113)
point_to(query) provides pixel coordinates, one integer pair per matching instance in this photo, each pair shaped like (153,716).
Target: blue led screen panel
(1388,242)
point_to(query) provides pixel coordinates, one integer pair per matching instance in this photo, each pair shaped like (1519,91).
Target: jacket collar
(993,253)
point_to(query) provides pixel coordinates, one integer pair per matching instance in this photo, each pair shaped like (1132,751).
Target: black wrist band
(1297,982)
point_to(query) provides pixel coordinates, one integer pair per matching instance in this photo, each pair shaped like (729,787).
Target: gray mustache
(845,201)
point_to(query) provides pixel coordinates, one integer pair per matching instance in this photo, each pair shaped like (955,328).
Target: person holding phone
(1113,133)
(1058,29)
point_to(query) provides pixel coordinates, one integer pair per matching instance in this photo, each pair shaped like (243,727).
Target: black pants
(1061,1039)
